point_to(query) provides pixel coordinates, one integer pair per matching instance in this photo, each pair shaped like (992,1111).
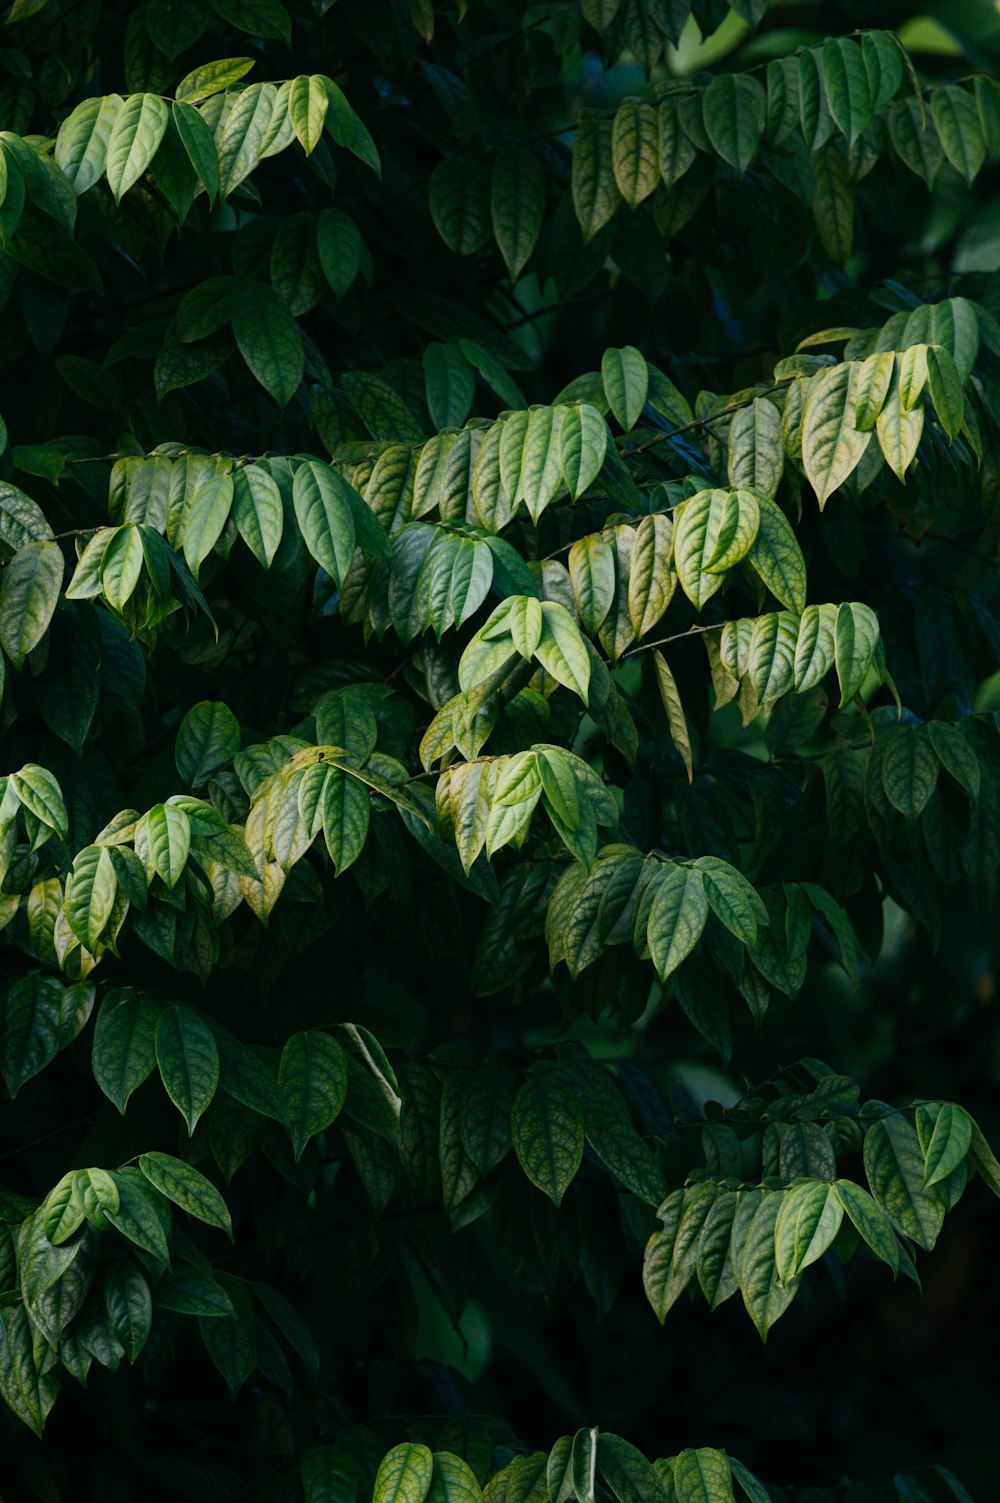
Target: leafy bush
(499,638)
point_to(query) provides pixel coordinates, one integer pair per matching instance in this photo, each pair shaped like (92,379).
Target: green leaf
(460,204)
(626,383)
(548,1134)
(870,1221)
(635,150)
(698,538)
(832,443)
(807,1223)
(182,1184)
(453,1480)
(188,1061)
(261,18)
(732,898)
(308,103)
(91,888)
(143,1216)
(338,242)
(199,144)
(21,519)
(81,149)
(129,1307)
(207,738)
(230,1340)
(737,525)
(29,593)
(258,512)
(205,515)
(124,1049)
(29,1028)
(869,387)
(404,1475)
(168,832)
(909,770)
(592,574)
(517,205)
(450,384)
(847,84)
(959,129)
(212,78)
(677,917)
(346,815)
(312,1078)
(39,793)
(856,639)
(269,340)
(776,556)
(945,1134)
(583,442)
(27,1384)
(325,517)
(945,388)
(895,1168)
(595,193)
(137,129)
(899,429)
(734,110)
(562,651)
(677,724)
(756,452)
(702,1476)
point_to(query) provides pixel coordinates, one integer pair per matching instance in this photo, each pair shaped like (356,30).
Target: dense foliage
(501,813)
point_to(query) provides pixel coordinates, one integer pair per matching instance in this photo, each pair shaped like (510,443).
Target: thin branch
(680,636)
(661,438)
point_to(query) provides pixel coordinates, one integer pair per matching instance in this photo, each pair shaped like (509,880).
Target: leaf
(182,1184)
(635,150)
(450,384)
(832,443)
(231,1340)
(91,888)
(261,18)
(677,724)
(583,440)
(308,103)
(734,111)
(404,1475)
(807,1222)
(312,1078)
(324,516)
(856,638)
(847,85)
(29,1029)
(207,738)
(945,1134)
(592,575)
(626,383)
(959,129)
(561,649)
(338,243)
(595,193)
(870,1221)
(517,205)
(29,593)
(168,832)
(129,1307)
(137,129)
(702,1476)
(188,1061)
(81,149)
(199,144)
(548,1134)
(895,1168)
(698,537)
(21,519)
(776,556)
(756,452)
(346,815)
(677,917)
(269,340)
(212,78)
(899,429)
(28,1387)
(945,388)
(909,770)
(124,1049)
(459,192)
(258,512)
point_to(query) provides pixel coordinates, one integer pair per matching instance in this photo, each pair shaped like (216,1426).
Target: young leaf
(182,1184)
